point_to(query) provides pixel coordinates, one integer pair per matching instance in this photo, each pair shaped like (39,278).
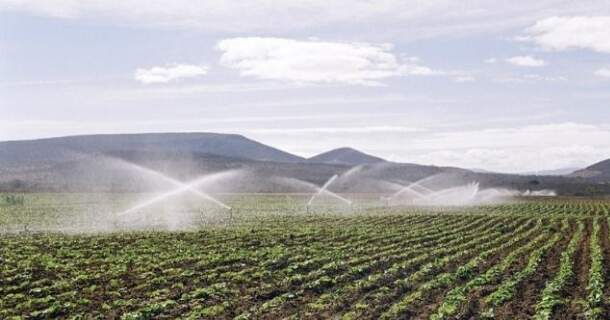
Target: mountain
(31,154)
(130,171)
(345,156)
(113,163)
(599,172)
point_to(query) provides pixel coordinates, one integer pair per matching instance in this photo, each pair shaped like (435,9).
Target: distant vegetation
(11,199)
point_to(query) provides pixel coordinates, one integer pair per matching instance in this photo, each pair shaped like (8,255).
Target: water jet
(324,189)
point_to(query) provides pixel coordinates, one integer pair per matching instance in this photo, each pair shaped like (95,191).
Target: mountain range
(89,163)
(599,172)
(345,156)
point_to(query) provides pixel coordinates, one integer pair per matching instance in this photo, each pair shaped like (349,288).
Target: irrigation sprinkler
(180,188)
(324,190)
(204,217)
(385,201)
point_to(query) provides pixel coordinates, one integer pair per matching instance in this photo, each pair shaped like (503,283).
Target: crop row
(438,263)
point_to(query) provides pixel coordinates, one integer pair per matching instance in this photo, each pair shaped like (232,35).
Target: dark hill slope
(346,156)
(28,154)
(89,163)
(599,172)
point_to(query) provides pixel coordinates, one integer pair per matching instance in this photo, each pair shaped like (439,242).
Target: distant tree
(16,184)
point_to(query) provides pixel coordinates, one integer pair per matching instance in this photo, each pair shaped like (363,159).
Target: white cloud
(507,149)
(315,61)
(490,60)
(410,58)
(462,79)
(603,72)
(516,149)
(537,77)
(517,160)
(526,61)
(338,130)
(529,78)
(417,18)
(53,8)
(170,72)
(578,32)
(556,134)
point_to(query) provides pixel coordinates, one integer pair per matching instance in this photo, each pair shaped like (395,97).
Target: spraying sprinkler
(324,189)
(181,187)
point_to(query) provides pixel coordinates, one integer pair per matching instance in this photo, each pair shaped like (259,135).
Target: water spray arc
(181,187)
(190,187)
(324,189)
(457,195)
(410,188)
(460,195)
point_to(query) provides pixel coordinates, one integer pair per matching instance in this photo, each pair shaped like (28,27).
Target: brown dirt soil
(522,306)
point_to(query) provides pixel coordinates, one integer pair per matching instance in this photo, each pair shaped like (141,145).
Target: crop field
(529,259)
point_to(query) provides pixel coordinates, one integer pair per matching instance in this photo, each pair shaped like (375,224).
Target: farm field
(546,258)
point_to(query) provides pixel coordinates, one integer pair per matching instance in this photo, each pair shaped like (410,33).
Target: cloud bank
(421,18)
(526,61)
(314,61)
(170,72)
(603,72)
(333,130)
(513,149)
(577,32)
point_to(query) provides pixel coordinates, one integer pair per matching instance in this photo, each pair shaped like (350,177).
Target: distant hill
(106,163)
(345,156)
(597,172)
(31,154)
(118,172)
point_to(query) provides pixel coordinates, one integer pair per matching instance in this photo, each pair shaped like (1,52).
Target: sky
(510,86)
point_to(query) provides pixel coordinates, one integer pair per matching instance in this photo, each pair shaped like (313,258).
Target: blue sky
(499,85)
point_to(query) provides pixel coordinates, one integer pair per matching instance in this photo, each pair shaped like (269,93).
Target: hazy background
(512,86)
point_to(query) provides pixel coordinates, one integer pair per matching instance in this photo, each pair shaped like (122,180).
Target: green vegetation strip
(454,247)
(507,289)
(457,296)
(595,287)
(360,265)
(551,295)
(464,272)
